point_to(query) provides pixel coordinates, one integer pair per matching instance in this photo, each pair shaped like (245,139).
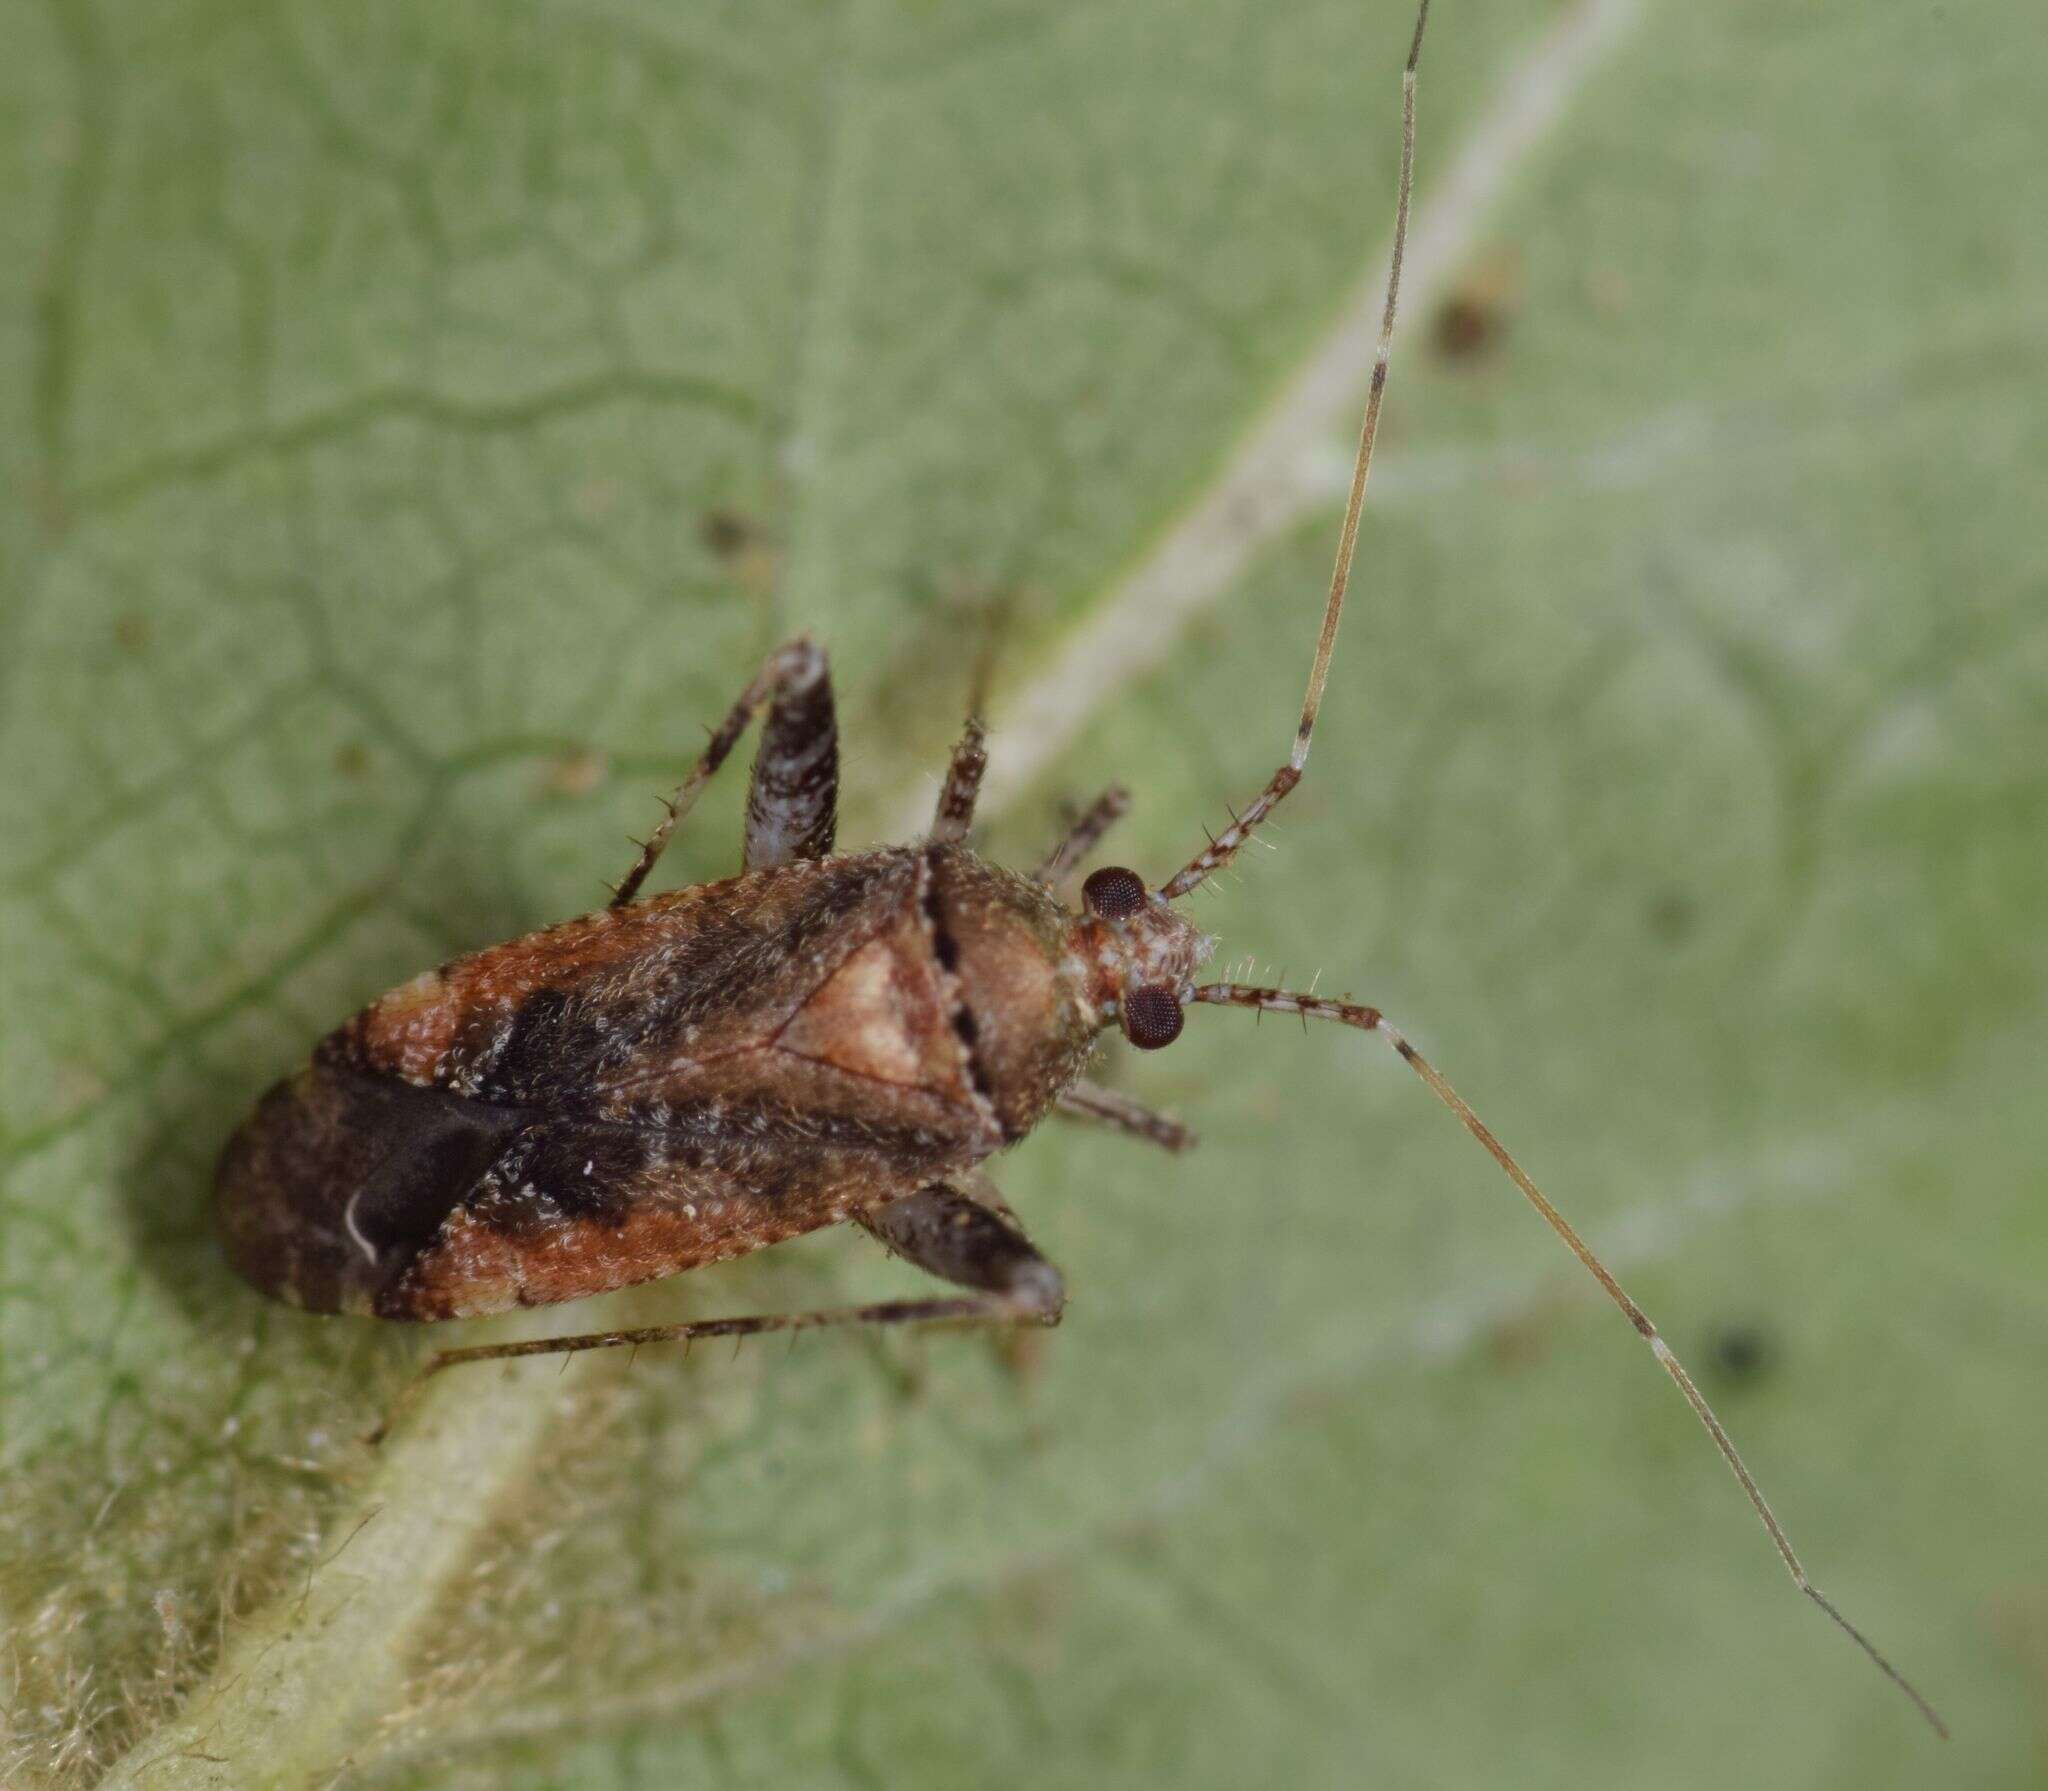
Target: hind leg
(796,774)
(963,1233)
(793,800)
(968,1239)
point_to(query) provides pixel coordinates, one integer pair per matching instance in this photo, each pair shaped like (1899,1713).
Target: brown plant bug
(825,1037)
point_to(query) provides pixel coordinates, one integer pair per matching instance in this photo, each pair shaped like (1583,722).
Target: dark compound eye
(1152,1017)
(1114,893)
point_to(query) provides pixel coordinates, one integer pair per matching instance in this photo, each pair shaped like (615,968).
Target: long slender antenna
(1368,431)
(1369,1019)
(1224,847)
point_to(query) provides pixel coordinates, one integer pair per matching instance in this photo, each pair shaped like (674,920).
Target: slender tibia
(1370,1019)
(955,813)
(1224,847)
(969,1309)
(1083,836)
(1104,1106)
(795,663)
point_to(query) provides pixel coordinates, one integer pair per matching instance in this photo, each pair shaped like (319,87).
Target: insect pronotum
(824,1037)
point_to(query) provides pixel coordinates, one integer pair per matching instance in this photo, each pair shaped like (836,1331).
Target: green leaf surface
(414,424)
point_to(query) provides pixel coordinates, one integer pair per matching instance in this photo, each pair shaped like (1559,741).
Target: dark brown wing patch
(337,1179)
(351,1193)
(568,1210)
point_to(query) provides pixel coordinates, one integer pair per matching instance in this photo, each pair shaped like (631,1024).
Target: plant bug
(822,1038)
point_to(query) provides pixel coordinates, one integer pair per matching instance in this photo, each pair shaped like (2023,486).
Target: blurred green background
(414,422)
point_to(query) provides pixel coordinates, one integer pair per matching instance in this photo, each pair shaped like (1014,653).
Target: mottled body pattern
(655,1087)
(681,1080)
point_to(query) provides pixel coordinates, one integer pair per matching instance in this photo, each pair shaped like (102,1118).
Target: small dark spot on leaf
(1671,916)
(131,633)
(1742,1353)
(1462,327)
(1473,317)
(352,759)
(729,533)
(743,546)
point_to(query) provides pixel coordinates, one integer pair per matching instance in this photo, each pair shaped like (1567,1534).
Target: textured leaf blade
(390,386)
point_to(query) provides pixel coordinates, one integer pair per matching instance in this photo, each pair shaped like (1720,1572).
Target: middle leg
(963,783)
(1106,1107)
(1083,836)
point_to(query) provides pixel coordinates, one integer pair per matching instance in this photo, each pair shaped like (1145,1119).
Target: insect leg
(1084,836)
(1222,849)
(968,1241)
(1106,1107)
(1370,1019)
(794,665)
(962,1309)
(963,782)
(793,800)
(966,1235)
(955,814)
